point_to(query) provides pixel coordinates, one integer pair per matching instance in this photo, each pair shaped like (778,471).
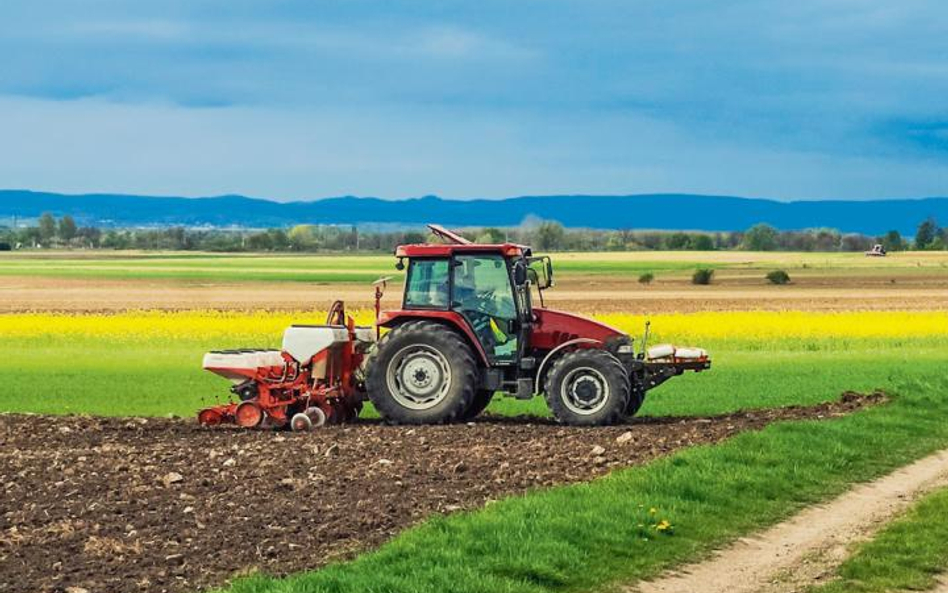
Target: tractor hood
(553,328)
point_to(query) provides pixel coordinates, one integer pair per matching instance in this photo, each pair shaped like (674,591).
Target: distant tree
(412,238)
(549,236)
(115,240)
(651,240)
(491,235)
(67,228)
(677,241)
(260,242)
(175,238)
(730,240)
(892,241)
(90,236)
(29,236)
(47,227)
(702,243)
(855,242)
(279,239)
(826,239)
(302,237)
(615,242)
(926,233)
(760,237)
(646,278)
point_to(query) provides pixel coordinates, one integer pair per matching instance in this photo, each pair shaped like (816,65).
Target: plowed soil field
(129,505)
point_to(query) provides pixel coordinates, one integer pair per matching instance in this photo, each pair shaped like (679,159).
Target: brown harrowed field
(587,282)
(129,505)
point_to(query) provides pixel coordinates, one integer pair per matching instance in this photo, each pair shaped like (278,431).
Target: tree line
(50,232)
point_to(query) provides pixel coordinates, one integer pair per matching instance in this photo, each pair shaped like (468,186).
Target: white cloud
(164,30)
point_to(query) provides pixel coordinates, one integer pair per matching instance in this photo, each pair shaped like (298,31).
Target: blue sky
(304,99)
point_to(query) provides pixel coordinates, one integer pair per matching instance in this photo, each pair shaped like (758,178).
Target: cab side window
(427,284)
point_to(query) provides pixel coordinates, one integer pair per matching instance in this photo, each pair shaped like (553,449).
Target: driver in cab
(482,294)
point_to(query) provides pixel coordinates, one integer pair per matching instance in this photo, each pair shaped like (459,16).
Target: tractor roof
(455,243)
(442,250)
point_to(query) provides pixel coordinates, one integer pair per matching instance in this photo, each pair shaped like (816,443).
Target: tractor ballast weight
(467,329)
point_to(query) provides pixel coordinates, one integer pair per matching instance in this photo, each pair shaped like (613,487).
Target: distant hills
(645,211)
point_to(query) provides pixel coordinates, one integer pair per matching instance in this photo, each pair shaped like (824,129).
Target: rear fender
(390,319)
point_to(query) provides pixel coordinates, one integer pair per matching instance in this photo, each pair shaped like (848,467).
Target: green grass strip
(590,536)
(906,555)
(159,376)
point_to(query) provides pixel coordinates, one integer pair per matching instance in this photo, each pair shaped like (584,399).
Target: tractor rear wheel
(422,373)
(478,404)
(588,387)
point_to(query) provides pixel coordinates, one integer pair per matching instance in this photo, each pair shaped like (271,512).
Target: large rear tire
(478,404)
(422,373)
(588,387)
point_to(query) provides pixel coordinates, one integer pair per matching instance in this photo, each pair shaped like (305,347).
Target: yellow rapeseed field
(787,324)
(759,325)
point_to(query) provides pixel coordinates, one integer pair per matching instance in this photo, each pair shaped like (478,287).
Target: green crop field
(332,268)
(125,377)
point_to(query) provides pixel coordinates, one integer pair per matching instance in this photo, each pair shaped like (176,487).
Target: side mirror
(520,274)
(541,269)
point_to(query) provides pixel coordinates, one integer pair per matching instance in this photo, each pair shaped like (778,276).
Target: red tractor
(467,329)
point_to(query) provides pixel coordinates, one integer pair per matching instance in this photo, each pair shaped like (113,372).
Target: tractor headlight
(624,349)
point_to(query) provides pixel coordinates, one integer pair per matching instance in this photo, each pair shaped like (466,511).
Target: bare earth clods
(118,504)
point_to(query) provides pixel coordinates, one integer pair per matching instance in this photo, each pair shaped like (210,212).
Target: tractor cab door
(483,294)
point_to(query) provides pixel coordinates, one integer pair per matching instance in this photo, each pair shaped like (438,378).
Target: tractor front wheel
(422,373)
(588,388)
(636,399)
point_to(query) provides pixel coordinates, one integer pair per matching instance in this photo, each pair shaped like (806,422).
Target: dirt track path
(807,548)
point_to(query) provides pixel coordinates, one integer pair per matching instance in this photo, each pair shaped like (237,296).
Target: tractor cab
(483,289)
(486,287)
